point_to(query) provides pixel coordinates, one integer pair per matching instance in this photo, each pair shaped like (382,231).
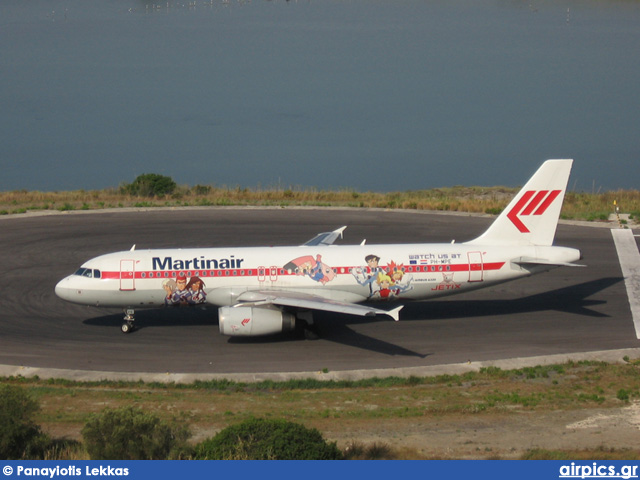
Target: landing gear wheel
(305,327)
(127,327)
(311,333)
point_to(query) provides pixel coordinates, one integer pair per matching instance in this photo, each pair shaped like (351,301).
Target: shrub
(202,190)
(375,451)
(267,439)
(150,185)
(20,437)
(131,434)
(623,395)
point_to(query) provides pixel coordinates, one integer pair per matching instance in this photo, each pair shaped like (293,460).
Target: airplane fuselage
(369,273)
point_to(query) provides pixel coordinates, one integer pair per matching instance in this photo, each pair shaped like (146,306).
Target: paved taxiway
(565,311)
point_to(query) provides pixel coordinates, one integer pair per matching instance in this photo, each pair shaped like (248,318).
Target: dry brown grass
(579,206)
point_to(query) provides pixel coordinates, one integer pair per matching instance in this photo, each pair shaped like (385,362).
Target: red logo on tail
(531,203)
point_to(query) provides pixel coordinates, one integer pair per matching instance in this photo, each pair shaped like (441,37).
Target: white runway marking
(630,263)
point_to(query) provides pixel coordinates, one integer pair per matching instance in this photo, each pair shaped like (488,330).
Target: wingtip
(395,313)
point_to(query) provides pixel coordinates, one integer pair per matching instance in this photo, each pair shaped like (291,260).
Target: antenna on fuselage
(133,248)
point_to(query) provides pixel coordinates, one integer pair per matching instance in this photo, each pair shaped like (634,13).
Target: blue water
(378,95)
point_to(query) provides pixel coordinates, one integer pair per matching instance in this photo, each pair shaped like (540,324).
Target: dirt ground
(480,436)
(489,435)
(505,436)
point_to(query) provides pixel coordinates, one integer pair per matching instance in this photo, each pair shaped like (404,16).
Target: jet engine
(254,321)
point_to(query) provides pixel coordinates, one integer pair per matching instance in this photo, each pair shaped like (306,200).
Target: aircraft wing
(311,302)
(326,238)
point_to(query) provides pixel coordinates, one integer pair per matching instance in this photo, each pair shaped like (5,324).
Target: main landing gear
(305,326)
(127,322)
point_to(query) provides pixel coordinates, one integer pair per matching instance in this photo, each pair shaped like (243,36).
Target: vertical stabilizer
(532,216)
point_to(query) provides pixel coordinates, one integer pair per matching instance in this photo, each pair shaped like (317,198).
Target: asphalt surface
(567,310)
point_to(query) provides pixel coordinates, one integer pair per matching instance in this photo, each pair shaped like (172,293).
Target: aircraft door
(476,270)
(127,275)
(273,274)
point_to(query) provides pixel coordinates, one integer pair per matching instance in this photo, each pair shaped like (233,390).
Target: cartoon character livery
(266,290)
(312,267)
(184,291)
(383,282)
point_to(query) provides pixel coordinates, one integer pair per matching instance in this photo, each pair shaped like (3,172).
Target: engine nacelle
(254,321)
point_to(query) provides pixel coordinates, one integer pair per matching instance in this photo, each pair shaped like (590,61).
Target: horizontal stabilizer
(523,261)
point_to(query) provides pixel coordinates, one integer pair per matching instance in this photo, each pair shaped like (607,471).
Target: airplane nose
(63,289)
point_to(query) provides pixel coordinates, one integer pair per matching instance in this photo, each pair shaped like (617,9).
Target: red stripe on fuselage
(266,272)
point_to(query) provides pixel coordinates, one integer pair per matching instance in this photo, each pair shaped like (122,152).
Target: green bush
(266,439)
(20,437)
(150,185)
(623,395)
(131,434)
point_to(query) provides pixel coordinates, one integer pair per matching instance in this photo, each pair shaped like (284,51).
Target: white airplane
(262,291)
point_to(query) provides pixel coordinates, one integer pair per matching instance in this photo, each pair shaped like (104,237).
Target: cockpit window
(89,273)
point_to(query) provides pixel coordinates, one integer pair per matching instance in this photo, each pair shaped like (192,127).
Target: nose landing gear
(127,323)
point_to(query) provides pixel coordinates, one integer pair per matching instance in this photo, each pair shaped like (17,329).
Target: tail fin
(532,216)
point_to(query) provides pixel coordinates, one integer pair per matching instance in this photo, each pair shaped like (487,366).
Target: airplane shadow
(161,317)
(572,299)
(336,327)
(339,332)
